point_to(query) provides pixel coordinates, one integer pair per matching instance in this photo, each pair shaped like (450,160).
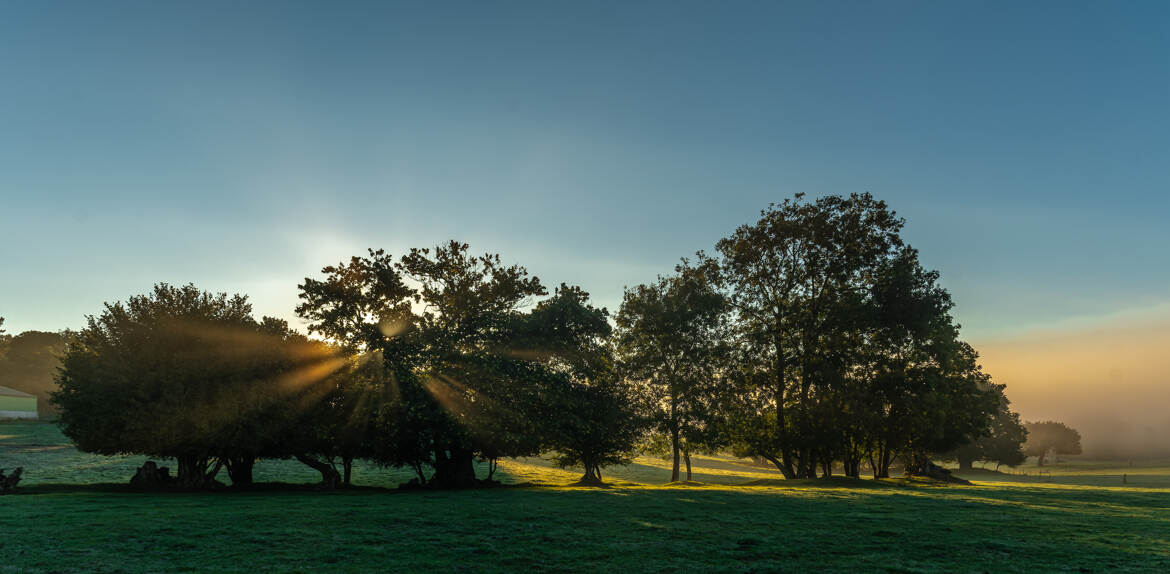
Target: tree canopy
(846,345)
(185,374)
(29,363)
(475,364)
(812,338)
(1051,437)
(673,344)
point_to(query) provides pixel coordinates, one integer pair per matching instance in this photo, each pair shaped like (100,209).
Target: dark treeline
(28,363)
(812,339)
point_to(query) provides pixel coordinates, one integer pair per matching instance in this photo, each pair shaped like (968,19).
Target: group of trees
(1050,437)
(812,338)
(429,362)
(28,363)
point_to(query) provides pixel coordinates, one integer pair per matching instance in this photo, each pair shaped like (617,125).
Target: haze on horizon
(243,147)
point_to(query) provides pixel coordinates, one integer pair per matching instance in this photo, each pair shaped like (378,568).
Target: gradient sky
(244,145)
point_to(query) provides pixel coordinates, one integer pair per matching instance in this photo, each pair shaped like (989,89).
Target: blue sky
(242,146)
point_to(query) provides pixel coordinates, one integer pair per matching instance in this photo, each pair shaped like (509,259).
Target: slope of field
(1013,524)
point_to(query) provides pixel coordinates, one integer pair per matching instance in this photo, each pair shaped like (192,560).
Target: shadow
(831,482)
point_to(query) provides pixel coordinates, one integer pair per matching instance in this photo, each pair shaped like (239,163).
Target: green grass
(1062,522)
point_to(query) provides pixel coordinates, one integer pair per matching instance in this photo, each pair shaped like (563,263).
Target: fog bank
(1109,381)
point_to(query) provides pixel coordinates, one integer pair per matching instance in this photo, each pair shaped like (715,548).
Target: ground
(739,518)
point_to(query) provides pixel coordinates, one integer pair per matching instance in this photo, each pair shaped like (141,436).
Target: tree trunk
(675,450)
(418,470)
(785,465)
(454,468)
(687,457)
(881,464)
(852,463)
(966,464)
(592,475)
(808,466)
(240,470)
(347,469)
(1040,459)
(330,478)
(193,473)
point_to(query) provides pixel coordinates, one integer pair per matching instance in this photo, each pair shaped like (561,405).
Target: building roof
(7,392)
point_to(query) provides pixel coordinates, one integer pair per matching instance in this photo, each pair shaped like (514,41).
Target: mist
(1108,381)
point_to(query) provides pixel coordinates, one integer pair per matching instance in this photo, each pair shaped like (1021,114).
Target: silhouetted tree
(3,339)
(785,274)
(31,363)
(596,426)
(1003,443)
(181,373)
(672,341)
(926,391)
(846,348)
(1051,437)
(468,360)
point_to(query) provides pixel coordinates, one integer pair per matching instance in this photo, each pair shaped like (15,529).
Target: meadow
(75,513)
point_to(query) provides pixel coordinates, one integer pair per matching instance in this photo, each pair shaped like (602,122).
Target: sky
(242,146)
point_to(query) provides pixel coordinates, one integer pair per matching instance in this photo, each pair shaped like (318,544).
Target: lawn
(1078,518)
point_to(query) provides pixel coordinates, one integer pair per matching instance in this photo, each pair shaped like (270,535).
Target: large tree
(925,390)
(185,374)
(672,342)
(785,275)
(847,350)
(467,352)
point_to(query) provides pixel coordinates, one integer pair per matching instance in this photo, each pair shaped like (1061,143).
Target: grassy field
(75,515)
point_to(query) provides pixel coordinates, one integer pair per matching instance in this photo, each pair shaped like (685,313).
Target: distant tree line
(812,338)
(28,363)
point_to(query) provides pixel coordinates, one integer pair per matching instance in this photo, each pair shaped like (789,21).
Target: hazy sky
(242,146)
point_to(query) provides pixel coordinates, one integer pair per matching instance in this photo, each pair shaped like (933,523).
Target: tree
(30,364)
(845,345)
(469,357)
(672,340)
(1051,437)
(1003,443)
(784,275)
(3,339)
(925,388)
(596,426)
(186,374)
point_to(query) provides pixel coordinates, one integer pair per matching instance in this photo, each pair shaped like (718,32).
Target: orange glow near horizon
(1110,381)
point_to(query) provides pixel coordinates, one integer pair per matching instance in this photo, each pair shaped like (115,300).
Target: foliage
(672,342)
(596,426)
(1051,437)
(185,374)
(469,362)
(4,339)
(815,337)
(1003,443)
(30,365)
(847,349)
